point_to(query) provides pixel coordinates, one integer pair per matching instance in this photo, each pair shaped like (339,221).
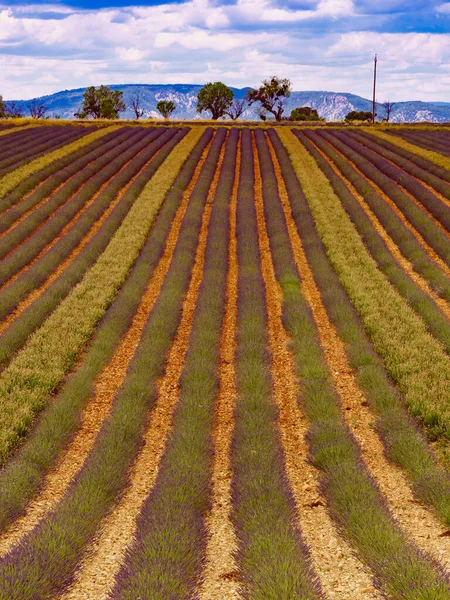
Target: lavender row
(353,498)
(419,300)
(35,314)
(429,201)
(36,243)
(414,157)
(425,139)
(22,478)
(44,564)
(45,177)
(155,567)
(420,168)
(57,174)
(272,558)
(436,238)
(16,138)
(21,156)
(49,210)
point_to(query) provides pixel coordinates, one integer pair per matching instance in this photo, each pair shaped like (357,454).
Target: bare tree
(136,105)
(388,106)
(37,109)
(237,108)
(13,110)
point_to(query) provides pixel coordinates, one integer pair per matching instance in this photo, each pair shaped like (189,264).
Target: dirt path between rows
(431,189)
(428,249)
(107,384)
(34,208)
(341,574)
(220,577)
(392,247)
(419,524)
(71,224)
(102,561)
(37,293)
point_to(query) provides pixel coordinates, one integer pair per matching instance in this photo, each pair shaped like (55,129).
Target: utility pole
(374,87)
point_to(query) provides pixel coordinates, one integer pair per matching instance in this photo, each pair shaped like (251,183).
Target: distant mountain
(332,106)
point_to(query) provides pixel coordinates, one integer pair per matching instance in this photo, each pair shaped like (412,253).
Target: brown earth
(102,560)
(71,224)
(428,249)
(419,523)
(107,384)
(221,578)
(392,247)
(341,574)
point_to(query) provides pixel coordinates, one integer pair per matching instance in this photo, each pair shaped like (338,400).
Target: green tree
(101,103)
(215,97)
(272,95)
(165,108)
(359,115)
(304,113)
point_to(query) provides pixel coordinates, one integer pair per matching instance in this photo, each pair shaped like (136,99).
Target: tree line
(217,98)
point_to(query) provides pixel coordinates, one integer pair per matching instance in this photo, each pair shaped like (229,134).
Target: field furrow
(36,371)
(32,237)
(353,498)
(414,241)
(434,310)
(414,189)
(340,573)
(106,472)
(78,250)
(420,525)
(224,362)
(422,222)
(435,179)
(272,558)
(80,403)
(220,576)
(56,176)
(22,154)
(119,530)
(426,139)
(28,175)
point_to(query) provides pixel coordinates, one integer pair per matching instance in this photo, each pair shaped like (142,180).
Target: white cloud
(444,8)
(198,40)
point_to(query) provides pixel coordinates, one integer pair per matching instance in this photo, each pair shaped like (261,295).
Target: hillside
(332,106)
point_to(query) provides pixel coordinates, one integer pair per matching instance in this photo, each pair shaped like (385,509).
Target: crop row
(353,499)
(21,153)
(421,302)
(29,175)
(38,369)
(415,360)
(66,203)
(32,262)
(406,241)
(21,478)
(431,233)
(55,175)
(433,205)
(273,561)
(403,442)
(138,173)
(431,140)
(180,498)
(59,541)
(420,168)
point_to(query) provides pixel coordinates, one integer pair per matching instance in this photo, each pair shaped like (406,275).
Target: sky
(326,45)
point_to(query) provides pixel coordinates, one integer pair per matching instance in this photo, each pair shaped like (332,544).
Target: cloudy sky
(319,44)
